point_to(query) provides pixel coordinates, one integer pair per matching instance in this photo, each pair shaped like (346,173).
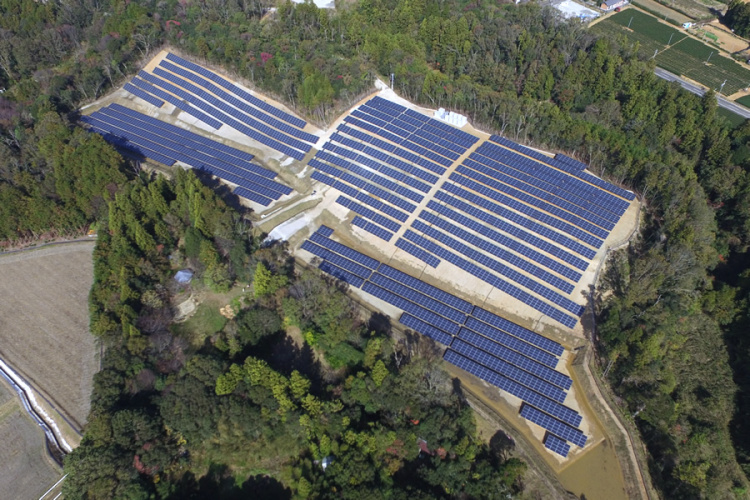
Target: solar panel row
(285,144)
(409,307)
(542,371)
(392,148)
(180,147)
(520,332)
(337,260)
(521,261)
(508,370)
(628,195)
(383,156)
(369,214)
(554,443)
(418,298)
(369,175)
(477,256)
(325,231)
(426,329)
(493,280)
(344,250)
(176,152)
(377,167)
(176,102)
(214,104)
(522,208)
(234,101)
(417,252)
(556,427)
(512,342)
(544,403)
(531,201)
(561,184)
(293,120)
(153,130)
(536,187)
(523,233)
(199,139)
(399,140)
(426,289)
(378,231)
(341,274)
(143,95)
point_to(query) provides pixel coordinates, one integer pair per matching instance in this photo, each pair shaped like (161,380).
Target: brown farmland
(44,324)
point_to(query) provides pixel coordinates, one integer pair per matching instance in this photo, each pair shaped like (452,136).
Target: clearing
(28,471)
(44,325)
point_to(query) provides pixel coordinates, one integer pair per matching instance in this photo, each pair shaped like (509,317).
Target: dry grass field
(44,334)
(27,471)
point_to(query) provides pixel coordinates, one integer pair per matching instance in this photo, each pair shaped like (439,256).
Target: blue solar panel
(553,425)
(177,151)
(554,443)
(527,395)
(143,95)
(418,298)
(378,231)
(417,252)
(512,342)
(508,370)
(426,289)
(250,195)
(521,361)
(345,251)
(518,331)
(237,91)
(420,326)
(325,231)
(234,101)
(409,307)
(341,274)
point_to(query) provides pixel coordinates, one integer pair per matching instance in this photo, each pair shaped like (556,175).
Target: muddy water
(596,475)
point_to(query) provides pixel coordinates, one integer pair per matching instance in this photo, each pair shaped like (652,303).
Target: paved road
(699,90)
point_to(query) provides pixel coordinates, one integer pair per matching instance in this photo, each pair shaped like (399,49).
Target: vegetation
(675,51)
(671,326)
(248,399)
(737,18)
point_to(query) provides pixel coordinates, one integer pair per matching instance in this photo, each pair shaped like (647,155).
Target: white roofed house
(608,5)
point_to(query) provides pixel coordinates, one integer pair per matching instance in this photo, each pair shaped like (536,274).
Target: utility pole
(631,20)
(722,87)
(655,52)
(670,39)
(709,57)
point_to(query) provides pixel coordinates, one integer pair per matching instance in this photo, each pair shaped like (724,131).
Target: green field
(685,56)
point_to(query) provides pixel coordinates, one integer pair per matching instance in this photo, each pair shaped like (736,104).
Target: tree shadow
(502,445)
(286,356)
(380,324)
(219,483)
(221,190)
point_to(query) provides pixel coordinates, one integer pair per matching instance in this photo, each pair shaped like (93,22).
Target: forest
(671,309)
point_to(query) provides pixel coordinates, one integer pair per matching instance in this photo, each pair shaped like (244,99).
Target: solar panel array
(216,101)
(167,144)
(516,360)
(387,157)
(554,443)
(519,221)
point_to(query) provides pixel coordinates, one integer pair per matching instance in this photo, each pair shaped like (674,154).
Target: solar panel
(553,425)
(420,326)
(554,443)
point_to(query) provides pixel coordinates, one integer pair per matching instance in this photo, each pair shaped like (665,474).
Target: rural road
(698,90)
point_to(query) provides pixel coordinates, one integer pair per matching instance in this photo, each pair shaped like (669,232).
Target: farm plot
(27,471)
(44,333)
(677,52)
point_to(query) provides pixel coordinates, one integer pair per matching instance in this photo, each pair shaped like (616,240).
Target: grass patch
(745,101)
(684,55)
(734,119)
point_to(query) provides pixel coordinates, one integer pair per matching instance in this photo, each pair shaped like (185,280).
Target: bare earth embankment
(44,324)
